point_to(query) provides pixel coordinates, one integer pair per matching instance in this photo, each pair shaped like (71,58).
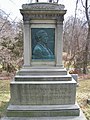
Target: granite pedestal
(43,89)
(80,117)
(43,95)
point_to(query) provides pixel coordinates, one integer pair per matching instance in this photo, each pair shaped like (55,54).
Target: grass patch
(4,96)
(83,93)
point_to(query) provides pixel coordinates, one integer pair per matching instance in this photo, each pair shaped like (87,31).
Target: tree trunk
(85,62)
(86,52)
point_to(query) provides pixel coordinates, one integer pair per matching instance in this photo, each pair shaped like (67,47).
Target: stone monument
(43,88)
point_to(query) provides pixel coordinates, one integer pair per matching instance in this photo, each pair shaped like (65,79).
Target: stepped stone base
(43,78)
(80,117)
(50,93)
(42,71)
(42,111)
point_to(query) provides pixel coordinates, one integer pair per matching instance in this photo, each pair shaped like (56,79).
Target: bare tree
(74,43)
(86,51)
(86,42)
(11,43)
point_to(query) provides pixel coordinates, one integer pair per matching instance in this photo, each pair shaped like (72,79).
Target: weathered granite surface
(43,6)
(43,89)
(43,11)
(42,110)
(37,71)
(43,77)
(80,117)
(43,16)
(43,92)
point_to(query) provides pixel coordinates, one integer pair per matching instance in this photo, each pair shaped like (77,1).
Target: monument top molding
(43,6)
(45,11)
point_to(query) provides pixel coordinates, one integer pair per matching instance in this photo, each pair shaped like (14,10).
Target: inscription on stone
(44,94)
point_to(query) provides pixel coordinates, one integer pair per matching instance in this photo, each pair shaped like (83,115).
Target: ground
(83,93)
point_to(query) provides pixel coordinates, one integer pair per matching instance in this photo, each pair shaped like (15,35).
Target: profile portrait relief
(41,48)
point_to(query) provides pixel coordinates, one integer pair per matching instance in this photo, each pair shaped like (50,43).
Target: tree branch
(82,4)
(87,13)
(4,22)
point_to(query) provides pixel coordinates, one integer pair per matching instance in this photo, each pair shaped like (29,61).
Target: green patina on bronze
(43,43)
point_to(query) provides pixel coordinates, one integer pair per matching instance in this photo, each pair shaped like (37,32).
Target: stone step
(42,111)
(42,71)
(43,78)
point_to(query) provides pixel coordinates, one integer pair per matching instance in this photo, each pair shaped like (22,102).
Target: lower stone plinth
(42,110)
(80,117)
(42,97)
(43,92)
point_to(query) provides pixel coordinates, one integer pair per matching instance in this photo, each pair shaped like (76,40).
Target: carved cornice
(43,6)
(27,17)
(38,11)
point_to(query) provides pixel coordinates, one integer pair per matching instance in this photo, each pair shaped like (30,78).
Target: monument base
(42,71)
(43,95)
(42,110)
(80,117)
(43,92)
